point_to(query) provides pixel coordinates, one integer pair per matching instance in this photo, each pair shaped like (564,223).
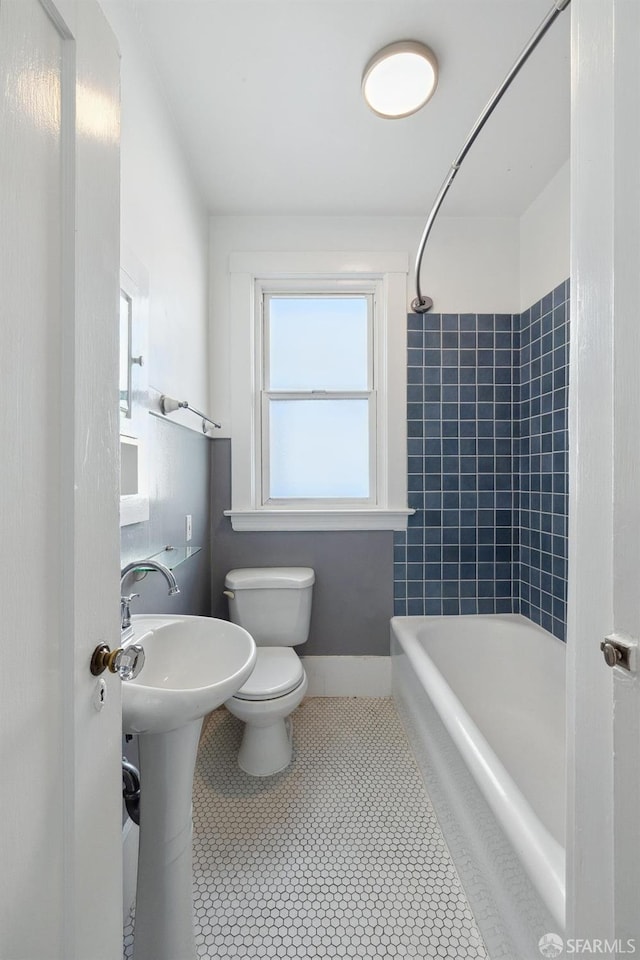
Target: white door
(626,531)
(604,536)
(60,878)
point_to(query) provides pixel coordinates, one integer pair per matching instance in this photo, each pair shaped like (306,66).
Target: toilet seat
(278,671)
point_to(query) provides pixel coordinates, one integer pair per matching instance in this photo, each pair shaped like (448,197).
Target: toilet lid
(277,671)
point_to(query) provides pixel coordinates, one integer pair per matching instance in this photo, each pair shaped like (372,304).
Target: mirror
(133,393)
(125,354)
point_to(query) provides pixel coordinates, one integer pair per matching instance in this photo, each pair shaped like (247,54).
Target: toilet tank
(272,603)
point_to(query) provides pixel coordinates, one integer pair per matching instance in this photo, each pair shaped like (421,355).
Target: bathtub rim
(542,856)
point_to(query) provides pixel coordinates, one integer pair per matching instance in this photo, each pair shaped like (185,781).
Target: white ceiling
(266,95)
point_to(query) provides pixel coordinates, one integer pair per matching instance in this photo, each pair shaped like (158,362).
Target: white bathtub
(497,685)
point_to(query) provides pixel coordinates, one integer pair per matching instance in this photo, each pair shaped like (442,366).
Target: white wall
(544,240)
(471,265)
(164,223)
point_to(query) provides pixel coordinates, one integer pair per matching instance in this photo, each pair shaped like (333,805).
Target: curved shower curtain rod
(423,304)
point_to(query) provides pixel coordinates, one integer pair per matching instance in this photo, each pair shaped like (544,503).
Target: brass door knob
(127,662)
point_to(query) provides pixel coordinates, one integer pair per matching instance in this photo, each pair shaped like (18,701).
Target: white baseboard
(130,834)
(348,676)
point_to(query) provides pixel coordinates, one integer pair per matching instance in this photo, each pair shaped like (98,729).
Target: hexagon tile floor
(340,855)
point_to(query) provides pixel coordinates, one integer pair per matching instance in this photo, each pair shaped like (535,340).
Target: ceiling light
(400,79)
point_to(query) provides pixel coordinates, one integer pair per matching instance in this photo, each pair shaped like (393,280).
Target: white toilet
(274,605)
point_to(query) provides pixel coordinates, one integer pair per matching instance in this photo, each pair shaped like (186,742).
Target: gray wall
(353,595)
(179,483)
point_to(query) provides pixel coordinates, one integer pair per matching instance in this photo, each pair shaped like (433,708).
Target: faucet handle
(125,614)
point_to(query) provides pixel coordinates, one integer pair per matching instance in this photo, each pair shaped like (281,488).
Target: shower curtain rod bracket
(422,306)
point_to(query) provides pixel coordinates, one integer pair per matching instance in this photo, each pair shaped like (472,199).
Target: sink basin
(193,664)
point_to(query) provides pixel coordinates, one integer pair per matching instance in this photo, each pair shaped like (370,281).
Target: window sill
(318,519)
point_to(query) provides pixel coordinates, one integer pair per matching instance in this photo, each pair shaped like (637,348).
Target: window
(318,397)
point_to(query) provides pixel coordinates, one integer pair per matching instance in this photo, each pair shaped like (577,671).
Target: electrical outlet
(187,528)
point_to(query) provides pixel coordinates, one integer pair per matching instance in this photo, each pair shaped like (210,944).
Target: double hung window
(318,398)
(318,391)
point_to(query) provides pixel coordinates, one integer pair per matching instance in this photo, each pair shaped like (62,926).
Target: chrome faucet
(143,566)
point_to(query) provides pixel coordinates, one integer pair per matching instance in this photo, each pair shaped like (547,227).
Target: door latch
(618,652)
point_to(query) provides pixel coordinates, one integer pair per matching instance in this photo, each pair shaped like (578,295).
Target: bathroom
(546,195)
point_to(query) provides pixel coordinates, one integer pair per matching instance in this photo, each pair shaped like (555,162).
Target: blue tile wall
(542,460)
(456,556)
(487,465)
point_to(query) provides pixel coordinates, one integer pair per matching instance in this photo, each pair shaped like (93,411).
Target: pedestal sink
(193,664)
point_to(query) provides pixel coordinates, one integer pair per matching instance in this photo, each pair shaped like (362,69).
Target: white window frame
(384,275)
(339,288)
